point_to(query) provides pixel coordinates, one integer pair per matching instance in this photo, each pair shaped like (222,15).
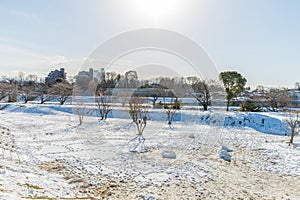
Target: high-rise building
(92,74)
(55,75)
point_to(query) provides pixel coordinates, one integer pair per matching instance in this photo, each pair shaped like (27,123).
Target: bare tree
(172,109)
(110,82)
(103,92)
(202,94)
(81,108)
(103,105)
(157,92)
(276,99)
(293,123)
(62,91)
(27,92)
(131,79)
(111,79)
(32,78)
(13,92)
(4,89)
(80,111)
(21,77)
(43,92)
(138,113)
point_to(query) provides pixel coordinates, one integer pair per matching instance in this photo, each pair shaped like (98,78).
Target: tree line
(230,86)
(29,90)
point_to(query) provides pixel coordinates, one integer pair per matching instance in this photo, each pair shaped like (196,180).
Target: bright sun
(156,9)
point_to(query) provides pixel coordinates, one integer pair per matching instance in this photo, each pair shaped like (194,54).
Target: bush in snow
(171,109)
(293,123)
(103,105)
(138,113)
(249,106)
(81,108)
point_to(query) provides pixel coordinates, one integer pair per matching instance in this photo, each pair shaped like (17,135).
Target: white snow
(50,133)
(271,123)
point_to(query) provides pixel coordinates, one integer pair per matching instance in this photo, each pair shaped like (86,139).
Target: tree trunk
(154,101)
(227,109)
(63,100)
(292,137)
(42,99)
(106,114)
(205,107)
(169,117)
(80,119)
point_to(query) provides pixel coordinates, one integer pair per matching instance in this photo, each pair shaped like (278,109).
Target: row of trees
(273,100)
(31,90)
(204,91)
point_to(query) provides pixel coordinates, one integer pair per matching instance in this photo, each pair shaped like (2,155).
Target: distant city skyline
(259,39)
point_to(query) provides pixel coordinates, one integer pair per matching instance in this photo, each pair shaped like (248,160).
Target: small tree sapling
(293,123)
(103,106)
(138,113)
(172,109)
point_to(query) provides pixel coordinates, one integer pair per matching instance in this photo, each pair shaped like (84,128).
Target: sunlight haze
(260,39)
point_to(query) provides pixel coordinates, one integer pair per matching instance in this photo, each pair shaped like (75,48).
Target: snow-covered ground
(60,159)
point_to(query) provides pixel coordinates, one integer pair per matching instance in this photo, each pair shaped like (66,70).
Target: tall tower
(102,74)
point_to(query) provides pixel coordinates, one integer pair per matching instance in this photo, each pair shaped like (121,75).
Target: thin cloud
(15,59)
(4,48)
(31,55)
(58,60)
(24,15)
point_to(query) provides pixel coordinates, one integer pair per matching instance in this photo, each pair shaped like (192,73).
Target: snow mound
(262,122)
(36,109)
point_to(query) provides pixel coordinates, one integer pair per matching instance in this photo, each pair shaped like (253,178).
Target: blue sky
(258,38)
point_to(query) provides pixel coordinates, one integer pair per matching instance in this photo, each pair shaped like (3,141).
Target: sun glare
(156,9)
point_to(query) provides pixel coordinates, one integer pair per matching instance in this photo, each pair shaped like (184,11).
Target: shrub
(249,106)
(177,104)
